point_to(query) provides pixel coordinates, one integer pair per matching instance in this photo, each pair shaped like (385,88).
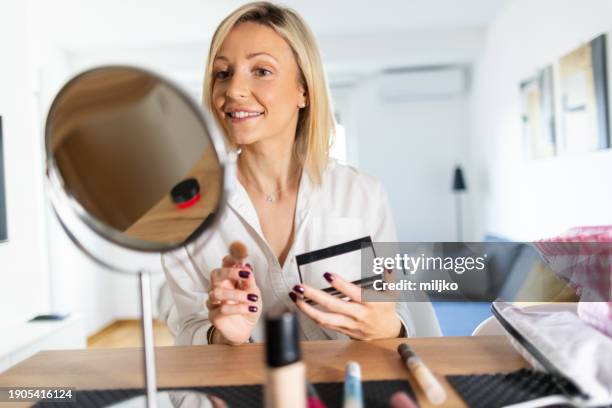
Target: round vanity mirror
(134,158)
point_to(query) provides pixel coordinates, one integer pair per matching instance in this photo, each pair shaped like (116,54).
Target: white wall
(532,199)
(411,145)
(23,272)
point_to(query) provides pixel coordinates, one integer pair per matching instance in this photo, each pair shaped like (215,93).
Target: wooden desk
(225,365)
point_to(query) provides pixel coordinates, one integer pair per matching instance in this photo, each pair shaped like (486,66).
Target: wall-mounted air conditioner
(414,84)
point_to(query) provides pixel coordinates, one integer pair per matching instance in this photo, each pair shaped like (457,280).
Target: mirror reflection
(122,139)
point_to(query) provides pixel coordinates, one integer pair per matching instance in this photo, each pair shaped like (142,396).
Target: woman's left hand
(357,319)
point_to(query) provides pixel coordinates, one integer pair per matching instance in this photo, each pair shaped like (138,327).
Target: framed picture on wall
(538,117)
(3,222)
(584,98)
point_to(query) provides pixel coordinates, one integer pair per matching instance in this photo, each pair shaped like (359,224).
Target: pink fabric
(582,256)
(597,314)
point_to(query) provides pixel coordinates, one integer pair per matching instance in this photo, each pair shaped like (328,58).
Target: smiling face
(256,91)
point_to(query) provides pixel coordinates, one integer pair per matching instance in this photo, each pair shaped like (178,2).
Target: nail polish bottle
(286,373)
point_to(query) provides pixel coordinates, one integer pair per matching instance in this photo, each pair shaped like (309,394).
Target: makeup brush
(238,251)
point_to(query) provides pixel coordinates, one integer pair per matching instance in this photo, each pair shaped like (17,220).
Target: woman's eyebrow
(255,54)
(249,56)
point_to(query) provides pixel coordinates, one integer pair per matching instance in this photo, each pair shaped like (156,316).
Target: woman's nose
(237,87)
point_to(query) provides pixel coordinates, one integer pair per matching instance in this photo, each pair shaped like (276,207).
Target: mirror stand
(148,338)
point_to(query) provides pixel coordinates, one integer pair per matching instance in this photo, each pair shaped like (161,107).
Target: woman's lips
(244,119)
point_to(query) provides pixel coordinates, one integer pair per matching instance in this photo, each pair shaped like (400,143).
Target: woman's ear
(303,98)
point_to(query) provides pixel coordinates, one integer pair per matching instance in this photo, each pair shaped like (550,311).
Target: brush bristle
(238,250)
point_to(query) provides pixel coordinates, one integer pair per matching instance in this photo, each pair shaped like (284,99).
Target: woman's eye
(262,72)
(221,74)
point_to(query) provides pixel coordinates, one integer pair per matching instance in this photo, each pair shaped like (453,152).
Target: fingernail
(248,265)
(253,309)
(293,296)
(299,289)
(328,277)
(244,274)
(252,297)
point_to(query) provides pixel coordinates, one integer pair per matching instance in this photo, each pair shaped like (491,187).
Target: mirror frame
(64,201)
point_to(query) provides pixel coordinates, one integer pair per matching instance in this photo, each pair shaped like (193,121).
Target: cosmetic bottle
(186,193)
(286,375)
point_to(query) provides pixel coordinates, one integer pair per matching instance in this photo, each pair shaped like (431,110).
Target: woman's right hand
(234,302)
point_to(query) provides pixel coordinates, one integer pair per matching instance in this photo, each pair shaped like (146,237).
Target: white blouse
(346,206)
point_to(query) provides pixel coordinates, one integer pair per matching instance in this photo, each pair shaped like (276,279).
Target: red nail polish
(293,296)
(299,289)
(328,277)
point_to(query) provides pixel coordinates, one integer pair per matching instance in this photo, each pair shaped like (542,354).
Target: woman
(265,84)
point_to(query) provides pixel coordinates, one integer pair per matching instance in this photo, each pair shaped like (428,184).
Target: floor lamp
(459,187)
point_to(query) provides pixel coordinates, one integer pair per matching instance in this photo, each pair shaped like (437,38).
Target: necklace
(270,197)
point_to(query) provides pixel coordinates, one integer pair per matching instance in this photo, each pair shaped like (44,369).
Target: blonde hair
(315,126)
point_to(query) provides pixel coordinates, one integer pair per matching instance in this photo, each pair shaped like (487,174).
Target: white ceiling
(172,37)
(76,23)
(345,16)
